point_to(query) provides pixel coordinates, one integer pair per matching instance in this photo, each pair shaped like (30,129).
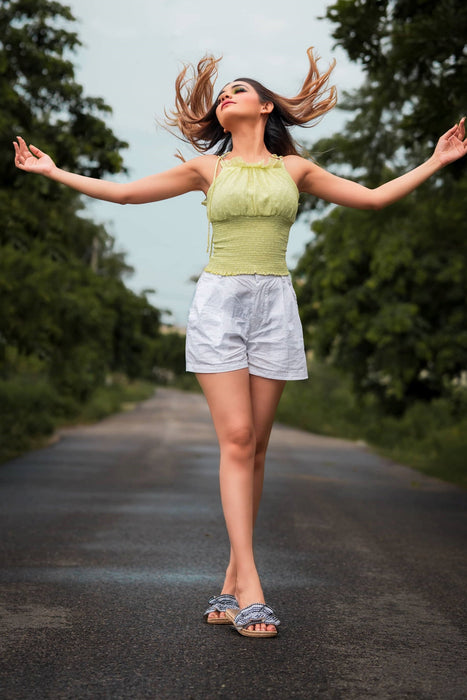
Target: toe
(217,615)
(261,627)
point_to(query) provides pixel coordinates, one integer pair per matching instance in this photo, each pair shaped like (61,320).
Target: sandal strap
(221,603)
(256,613)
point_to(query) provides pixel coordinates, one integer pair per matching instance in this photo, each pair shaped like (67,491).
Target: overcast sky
(132,52)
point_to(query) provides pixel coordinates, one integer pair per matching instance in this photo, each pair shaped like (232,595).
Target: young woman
(244,338)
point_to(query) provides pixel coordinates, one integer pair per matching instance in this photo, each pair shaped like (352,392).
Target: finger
(36,151)
(22,143)
(18,155)
(451,131)
(23,148)
(25,151)
(462,128)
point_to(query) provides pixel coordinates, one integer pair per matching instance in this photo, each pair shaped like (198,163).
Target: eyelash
(234,92)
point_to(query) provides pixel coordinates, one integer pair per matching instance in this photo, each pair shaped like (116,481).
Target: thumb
(452,130)
(36,151)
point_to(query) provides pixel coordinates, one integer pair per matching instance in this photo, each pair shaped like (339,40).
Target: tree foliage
(383,293)
(66,315)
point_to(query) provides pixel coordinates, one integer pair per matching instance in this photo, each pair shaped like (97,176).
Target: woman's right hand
(31,159)
(189,177)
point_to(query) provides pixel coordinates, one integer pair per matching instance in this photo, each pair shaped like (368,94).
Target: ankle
(249,590)
(230,581)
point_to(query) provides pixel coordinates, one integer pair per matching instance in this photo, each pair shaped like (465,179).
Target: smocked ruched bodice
(251,207)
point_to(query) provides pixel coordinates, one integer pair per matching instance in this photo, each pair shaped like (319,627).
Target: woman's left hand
(452,145)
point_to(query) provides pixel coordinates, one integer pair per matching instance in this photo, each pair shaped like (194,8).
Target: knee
(241,442)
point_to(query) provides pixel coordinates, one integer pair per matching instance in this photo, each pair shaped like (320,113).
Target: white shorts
(245,321)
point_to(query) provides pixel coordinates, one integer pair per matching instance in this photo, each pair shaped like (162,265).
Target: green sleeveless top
(251,207)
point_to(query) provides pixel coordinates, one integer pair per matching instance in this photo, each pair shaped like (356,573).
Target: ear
(267,108)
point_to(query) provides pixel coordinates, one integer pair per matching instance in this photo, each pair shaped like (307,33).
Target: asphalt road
(112,541)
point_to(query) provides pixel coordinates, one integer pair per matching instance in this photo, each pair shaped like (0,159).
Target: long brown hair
(194,115)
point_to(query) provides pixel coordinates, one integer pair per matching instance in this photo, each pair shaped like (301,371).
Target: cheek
(252,100)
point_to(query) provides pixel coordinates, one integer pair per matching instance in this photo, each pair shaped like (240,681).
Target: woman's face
(236,100)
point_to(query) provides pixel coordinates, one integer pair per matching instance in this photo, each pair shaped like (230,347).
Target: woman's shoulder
(297,166)
(204,164)
(298,162)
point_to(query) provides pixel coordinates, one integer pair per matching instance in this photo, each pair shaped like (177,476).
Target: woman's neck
(249,145)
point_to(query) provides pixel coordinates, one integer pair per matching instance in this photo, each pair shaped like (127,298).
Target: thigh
(275,344)
(217,325)
(229,399)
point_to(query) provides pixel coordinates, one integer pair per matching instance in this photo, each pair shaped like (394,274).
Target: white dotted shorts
(245,321)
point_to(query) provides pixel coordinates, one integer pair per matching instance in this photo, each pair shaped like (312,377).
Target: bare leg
(265,397)
(242,407)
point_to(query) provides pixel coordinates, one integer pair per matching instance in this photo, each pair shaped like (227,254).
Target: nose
(225,96)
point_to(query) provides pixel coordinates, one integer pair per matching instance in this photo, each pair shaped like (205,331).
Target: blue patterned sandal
(221,603)
(254,614)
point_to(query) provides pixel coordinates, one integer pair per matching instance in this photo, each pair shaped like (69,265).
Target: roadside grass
(31,409)
(430,437)
(119,395)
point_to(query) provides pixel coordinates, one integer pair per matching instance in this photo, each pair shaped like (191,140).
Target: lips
(227,102)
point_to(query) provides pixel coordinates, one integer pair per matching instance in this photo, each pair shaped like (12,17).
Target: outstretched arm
(188,177)
(318,182)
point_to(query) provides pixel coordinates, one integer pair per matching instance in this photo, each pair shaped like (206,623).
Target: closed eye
(235,89)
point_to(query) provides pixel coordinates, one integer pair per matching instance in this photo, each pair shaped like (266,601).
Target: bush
(31,408)
(323,404)
(430,436)
(114,397)
(27,410)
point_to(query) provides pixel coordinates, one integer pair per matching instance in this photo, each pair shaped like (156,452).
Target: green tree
(64,309)
(383,293)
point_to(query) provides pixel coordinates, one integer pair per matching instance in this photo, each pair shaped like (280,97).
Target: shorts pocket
(205,325)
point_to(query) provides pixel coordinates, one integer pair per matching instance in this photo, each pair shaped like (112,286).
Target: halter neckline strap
(238,160)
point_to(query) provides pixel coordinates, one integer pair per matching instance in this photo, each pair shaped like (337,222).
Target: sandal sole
(256,633)
(218,621)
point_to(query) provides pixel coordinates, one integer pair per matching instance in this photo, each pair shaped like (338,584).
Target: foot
(261,627)
(256,620)
(216,615)
(220,603)
(253,593)
(228,588)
